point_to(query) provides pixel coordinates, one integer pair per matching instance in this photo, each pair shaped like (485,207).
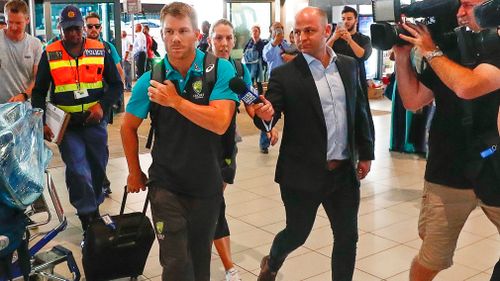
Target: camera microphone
(246,94)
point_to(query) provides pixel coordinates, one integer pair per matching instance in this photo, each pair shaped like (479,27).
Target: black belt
(335,164)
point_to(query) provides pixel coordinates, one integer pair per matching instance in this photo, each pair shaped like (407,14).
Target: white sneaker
(232,275)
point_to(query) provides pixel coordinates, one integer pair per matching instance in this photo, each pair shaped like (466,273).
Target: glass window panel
(244,16)
(365,9)
(364,23)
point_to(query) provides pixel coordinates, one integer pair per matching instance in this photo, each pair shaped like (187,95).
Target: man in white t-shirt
(19,54)
(127,49)
(139,50)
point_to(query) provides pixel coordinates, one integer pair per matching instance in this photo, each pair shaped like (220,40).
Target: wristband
(432,54)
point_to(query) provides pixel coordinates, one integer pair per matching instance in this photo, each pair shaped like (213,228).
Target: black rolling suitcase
(119,247)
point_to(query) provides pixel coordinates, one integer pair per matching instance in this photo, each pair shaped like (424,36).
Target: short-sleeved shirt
(186,157)
(139,103)
(246,74)
(448,138)
(17,60)
(139,43)
(342,47)
(125,48)
(113,52)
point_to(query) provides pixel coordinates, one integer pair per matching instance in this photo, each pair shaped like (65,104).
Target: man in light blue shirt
(327,144)
(275,52)
(332,96)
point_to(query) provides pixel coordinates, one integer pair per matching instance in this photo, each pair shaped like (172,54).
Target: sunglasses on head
(97,26)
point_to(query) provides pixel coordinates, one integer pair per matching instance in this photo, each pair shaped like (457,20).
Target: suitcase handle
(124,201)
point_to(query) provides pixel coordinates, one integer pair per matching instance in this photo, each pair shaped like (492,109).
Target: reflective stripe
(74,87)
(76,108)
(81,61)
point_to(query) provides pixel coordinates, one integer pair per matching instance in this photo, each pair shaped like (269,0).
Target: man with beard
(348,41)
(93,29)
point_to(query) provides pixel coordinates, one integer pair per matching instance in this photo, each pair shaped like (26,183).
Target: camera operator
(467,102)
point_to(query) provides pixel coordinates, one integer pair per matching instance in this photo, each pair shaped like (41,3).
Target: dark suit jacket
(302,159)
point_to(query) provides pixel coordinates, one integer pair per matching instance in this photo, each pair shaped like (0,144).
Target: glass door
(244,16)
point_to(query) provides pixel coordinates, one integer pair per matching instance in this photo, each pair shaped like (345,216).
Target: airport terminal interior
(390,194)
(388,216)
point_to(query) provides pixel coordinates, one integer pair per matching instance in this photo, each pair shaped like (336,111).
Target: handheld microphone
(245,94)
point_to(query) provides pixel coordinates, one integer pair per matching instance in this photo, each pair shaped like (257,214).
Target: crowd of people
(316,81)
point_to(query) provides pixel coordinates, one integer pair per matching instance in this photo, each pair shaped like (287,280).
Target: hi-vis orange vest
(76,74)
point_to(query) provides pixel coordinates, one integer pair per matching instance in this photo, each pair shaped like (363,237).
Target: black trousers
(140,63)
(185,229)
(340,199)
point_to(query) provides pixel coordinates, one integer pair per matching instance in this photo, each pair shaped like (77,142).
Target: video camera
(488,14)
(438,15)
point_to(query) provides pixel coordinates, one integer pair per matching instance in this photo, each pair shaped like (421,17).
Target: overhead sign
(132,6)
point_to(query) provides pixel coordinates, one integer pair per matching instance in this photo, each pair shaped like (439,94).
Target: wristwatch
(432,54)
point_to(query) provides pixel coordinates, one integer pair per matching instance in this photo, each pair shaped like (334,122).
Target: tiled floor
(387,219)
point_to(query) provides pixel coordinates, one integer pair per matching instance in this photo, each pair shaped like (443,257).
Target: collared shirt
(139,102)
(139,43)
(125,48)
(333,101)
(112,51)
(272,54)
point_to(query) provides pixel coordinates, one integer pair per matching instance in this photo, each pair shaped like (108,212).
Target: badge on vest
(94,52)
(56,55)
(80,94)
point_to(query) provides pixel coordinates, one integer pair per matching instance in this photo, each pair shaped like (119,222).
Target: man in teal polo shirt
(185,177)
(93,30)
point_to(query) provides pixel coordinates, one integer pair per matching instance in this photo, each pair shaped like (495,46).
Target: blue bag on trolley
(23,160)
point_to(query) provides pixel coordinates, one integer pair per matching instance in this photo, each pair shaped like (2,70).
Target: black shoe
(264,151)
(265,272)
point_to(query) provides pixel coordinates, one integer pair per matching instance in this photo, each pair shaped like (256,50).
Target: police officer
(76,67)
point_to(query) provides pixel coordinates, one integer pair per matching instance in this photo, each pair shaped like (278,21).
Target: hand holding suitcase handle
(124,201)
(124,248)
(136,182)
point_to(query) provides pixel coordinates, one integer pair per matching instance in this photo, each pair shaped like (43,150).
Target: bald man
(320,96)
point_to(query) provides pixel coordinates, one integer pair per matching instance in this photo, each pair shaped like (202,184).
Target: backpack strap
(210,64)
(158,75)
(239,68)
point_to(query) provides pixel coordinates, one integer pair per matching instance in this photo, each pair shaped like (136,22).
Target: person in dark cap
(3,23)
(76,68)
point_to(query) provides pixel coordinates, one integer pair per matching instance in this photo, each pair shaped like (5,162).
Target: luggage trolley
(43,263)
(24,158)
